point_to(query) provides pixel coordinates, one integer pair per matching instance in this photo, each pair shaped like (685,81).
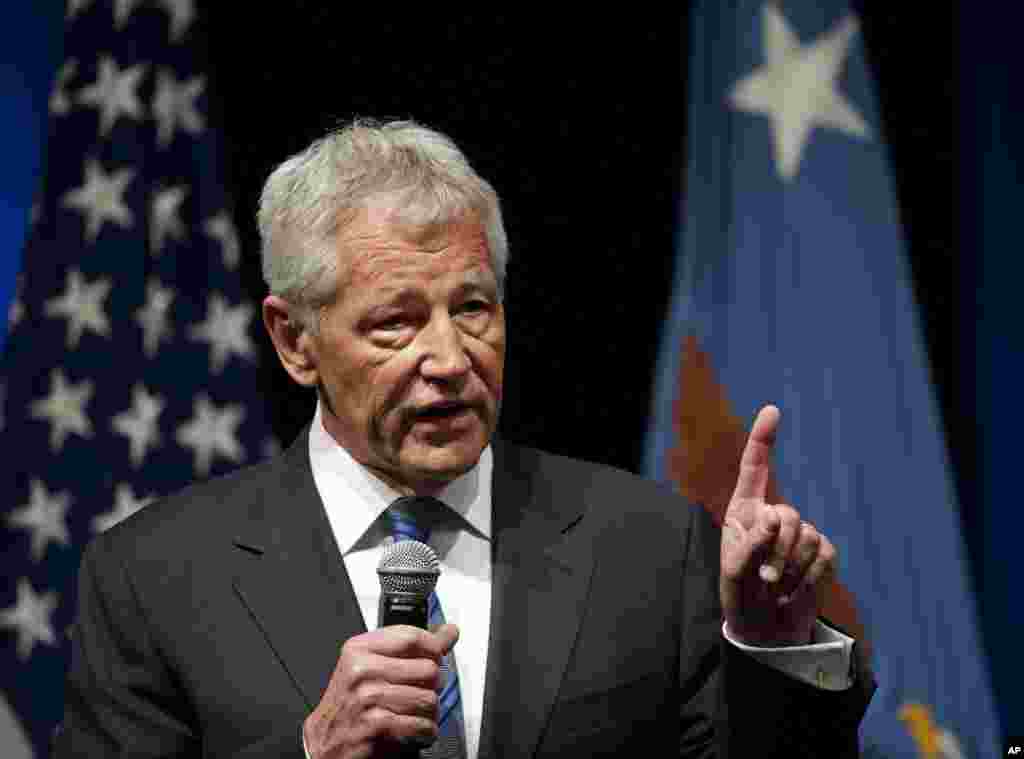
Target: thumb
(448,635)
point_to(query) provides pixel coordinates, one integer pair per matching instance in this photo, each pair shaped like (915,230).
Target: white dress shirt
(355,499)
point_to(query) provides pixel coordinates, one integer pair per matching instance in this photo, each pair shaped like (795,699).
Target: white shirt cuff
(825,663)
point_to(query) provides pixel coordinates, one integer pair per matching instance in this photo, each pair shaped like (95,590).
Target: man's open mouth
(442,410)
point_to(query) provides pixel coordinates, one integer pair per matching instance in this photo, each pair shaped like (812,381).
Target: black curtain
(579,122)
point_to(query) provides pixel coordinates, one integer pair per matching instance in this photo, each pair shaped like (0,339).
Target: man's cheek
(391,424)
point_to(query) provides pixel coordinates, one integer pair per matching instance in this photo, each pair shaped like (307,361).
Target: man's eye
(391,324)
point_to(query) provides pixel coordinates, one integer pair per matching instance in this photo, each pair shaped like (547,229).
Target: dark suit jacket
(210,624)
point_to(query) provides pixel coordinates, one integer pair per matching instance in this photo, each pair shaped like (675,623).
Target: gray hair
(310,197)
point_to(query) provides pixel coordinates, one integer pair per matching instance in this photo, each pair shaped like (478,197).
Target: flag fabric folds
(792,287)
(129,369)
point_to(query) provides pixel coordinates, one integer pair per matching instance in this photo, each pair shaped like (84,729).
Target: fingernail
(769,573)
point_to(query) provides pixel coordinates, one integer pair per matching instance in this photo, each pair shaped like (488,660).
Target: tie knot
(411,517)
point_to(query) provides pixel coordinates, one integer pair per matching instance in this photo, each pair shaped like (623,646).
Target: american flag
(130,361)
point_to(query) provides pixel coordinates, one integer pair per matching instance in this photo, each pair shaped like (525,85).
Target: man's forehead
(378,245)
(388,280)
(381,218)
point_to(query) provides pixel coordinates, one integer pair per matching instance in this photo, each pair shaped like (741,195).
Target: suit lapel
(293,580)
(539,587)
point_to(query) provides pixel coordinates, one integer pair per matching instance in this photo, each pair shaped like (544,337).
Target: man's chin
(441,463)
(446,464)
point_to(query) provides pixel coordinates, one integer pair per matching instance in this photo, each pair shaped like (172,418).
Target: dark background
(579,122)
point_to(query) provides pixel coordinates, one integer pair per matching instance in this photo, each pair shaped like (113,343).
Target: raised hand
(775,566)
(383,692)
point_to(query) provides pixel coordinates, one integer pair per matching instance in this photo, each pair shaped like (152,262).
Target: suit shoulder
(200,512)
(603,488)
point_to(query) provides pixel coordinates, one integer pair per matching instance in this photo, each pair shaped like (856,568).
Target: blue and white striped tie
(409,519)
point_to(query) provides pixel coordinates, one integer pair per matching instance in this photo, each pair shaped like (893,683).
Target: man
(594,613)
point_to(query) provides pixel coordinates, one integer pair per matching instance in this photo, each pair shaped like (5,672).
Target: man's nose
(445,354)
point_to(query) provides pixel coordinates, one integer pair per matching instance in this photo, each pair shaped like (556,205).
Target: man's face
(411,352)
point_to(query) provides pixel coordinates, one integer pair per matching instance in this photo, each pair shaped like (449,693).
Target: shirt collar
(355,498)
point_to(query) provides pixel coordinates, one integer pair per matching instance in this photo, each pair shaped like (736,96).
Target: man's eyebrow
(481,286)
(477,280)
(391,297)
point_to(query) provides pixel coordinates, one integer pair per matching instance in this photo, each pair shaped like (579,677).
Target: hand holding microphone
(383,692)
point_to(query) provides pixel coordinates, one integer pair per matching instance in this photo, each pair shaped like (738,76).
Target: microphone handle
(398,608)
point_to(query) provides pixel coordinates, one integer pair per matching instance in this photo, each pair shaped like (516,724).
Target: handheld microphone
(408,572)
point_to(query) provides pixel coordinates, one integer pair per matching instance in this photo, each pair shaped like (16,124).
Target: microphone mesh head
(408,566)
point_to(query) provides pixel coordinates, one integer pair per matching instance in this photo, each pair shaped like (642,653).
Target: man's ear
(292,340)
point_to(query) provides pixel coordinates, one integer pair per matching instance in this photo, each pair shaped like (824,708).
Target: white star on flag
(174,105)
(30,617)
(64,409)
(114,93)
(798,87)
(75,7)
(16,311)
(125,504)
(135,237)
(182,13)
(166,221)
(123,9)
(101,198)
(210,431)
(82,305)
(226,330)
(154,317)
(45,517)
(221,229)
(139,423)
(60,103)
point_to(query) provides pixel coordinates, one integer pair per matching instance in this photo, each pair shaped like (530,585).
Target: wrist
(771,640)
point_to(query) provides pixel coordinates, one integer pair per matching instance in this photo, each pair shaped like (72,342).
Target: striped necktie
(410,518)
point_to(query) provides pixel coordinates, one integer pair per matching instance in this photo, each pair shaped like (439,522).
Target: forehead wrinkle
(399,261)
(392,286)
(384,247)
(380,248)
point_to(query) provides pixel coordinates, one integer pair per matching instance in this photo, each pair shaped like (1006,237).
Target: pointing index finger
(756,461)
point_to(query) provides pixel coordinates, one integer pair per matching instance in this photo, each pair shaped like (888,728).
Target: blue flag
(130,364)
(792,287)
(31,40)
